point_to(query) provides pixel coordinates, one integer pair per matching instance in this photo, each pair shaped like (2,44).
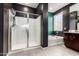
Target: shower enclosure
(24,30)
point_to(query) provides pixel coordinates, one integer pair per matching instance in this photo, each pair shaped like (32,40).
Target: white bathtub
(55,40)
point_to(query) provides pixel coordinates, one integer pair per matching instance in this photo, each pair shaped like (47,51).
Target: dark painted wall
(1,29)
(66,19)
(4,16)
(44,24)
(23,8)
(5,31)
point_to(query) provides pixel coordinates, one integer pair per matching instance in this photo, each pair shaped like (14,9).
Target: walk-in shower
(24,30)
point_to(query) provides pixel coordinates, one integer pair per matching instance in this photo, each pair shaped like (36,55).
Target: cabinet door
(76,42)
(71,40)
(68,40)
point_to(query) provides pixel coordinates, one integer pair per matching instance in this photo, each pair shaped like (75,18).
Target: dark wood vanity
(71,40)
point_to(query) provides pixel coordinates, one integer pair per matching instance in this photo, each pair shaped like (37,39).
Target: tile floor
(57,50)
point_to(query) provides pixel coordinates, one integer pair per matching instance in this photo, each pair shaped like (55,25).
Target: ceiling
(33,5)
(53,7)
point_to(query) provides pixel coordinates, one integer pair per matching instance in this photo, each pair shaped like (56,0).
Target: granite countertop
(72,32)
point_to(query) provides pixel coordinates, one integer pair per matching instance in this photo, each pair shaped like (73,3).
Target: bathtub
(55,40)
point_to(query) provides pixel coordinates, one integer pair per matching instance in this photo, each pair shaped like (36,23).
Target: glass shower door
(25,31)
(34,30)
(19,33)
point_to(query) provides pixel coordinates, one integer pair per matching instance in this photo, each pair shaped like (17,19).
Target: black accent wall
(66,19)
(4,19)
(44,24)
(20,7)
(1,29)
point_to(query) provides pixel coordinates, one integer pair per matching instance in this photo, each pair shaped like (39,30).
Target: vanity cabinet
(71,40)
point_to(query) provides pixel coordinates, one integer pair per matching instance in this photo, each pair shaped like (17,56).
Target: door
(34,30)
(19,33)
(25,31)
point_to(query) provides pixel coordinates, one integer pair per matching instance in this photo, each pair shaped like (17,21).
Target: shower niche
(24,30)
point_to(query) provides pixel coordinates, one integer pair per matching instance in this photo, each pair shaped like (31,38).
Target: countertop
(72,32)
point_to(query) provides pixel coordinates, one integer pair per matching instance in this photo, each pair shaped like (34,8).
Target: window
(58,22)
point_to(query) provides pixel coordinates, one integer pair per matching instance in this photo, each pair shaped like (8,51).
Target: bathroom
(37,26)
